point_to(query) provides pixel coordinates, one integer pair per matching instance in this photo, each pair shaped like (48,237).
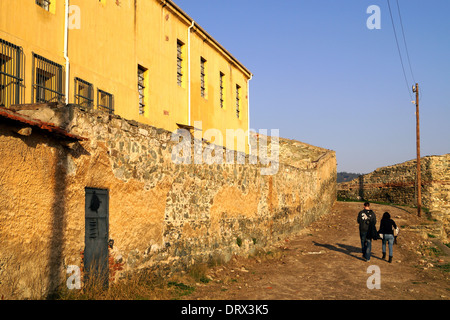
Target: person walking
(366,217)
(387,227)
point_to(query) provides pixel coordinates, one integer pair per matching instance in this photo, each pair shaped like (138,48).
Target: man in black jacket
(365,218)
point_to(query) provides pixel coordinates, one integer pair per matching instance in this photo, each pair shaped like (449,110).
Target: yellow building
(145,60)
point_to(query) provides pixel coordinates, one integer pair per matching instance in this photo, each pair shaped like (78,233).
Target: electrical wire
(404,41)
(399,52)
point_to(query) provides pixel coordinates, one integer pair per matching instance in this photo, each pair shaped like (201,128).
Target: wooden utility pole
(418,173)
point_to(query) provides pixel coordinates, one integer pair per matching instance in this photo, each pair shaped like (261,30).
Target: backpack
(372,232)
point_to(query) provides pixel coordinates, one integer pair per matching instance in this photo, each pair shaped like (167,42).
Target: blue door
(96,235)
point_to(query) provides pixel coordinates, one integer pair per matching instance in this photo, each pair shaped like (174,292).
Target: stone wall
(397,184)
(162,215)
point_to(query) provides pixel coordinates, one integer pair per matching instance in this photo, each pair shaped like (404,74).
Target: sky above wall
(323,77)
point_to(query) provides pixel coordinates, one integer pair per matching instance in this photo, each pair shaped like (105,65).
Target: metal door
(96,235)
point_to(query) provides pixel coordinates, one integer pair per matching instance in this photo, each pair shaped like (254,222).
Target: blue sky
(322,77)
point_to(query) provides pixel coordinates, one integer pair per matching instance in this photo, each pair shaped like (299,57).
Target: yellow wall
(208,109)
(113,39)
(27,25)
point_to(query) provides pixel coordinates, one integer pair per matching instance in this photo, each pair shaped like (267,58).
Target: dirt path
(325,262)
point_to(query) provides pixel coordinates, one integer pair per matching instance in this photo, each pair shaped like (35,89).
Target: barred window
(11,74)
(105,101)
(84,93)
(238,100)
(48,80)
(202,77)
(141,88)
(179,63)
(45,4)
(221,89)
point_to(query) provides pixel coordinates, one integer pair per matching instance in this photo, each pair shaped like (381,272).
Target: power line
(399,52)
(404,41)
(416,90)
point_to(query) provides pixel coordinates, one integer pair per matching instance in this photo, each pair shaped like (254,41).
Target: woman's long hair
(386,216)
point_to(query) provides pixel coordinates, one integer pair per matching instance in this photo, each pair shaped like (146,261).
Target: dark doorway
(96,235)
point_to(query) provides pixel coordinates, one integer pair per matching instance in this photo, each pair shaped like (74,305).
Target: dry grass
(142,285)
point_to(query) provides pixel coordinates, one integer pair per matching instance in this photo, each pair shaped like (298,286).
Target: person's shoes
(384,256)
(390,259)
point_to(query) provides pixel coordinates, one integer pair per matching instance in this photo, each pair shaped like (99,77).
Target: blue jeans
(389,238)
(366,245)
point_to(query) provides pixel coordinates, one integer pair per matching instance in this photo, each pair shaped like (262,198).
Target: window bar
(4,99)
(60,83)
(237,100)
(11,74)
(179,64)
(18,62)
(202,77)
(83,93)
(48,80)
(105,101)
(45,4)
(111,102)
(141,88)
(221,89)
(33,68)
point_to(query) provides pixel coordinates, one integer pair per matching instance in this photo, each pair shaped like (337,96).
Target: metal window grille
(105,101)
(84,93)
(179,63)
(11,74)
(141,89)
(48,80)
(202,77)
(45,4)
(238,102)
(221,89)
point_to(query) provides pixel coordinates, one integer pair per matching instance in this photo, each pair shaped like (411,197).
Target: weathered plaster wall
(396,184)
(161,214)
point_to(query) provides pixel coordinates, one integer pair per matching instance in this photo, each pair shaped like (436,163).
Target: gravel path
(324,262)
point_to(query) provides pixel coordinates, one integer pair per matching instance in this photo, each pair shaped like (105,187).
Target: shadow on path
(352,251)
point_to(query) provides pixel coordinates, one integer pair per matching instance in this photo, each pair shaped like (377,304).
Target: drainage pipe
(248,114)
(189,72)
(66,49)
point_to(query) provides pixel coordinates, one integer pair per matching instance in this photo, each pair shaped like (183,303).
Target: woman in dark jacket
(387,227)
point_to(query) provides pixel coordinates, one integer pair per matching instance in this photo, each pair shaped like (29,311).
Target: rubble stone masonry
(397,184)
(162,215)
